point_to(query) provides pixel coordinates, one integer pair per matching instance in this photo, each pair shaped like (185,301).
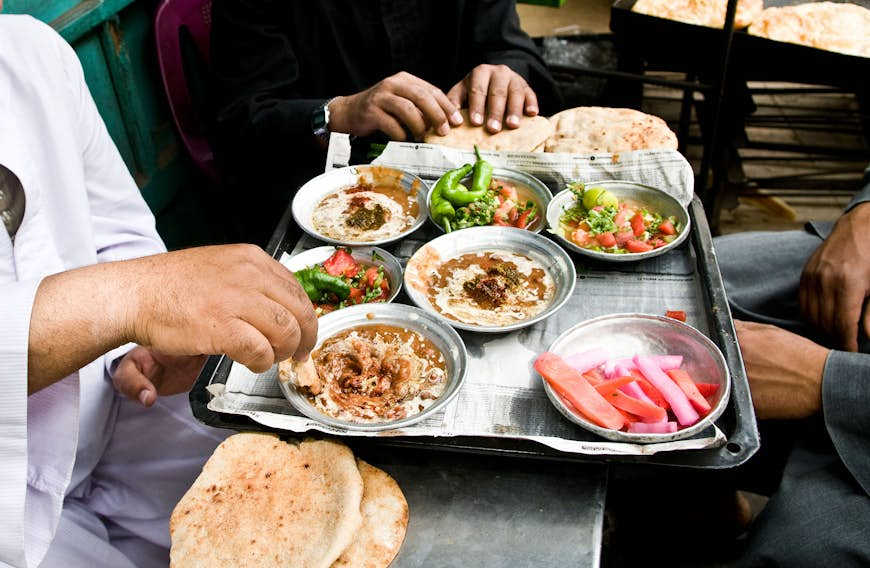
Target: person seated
(98,441)
(289,73)
(805,349)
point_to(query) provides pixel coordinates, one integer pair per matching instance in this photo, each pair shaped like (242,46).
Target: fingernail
(443,129)
(494,125)
(456,117)
(512,120)
(477,118)
(531,109)
(143,397)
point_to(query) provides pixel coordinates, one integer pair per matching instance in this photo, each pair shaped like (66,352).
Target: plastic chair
(182,27)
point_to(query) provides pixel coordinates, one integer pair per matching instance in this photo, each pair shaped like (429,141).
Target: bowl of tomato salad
(337,277)
(478,195)
(617,221)
(637,378)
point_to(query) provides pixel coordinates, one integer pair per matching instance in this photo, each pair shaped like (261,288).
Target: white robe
(71,449)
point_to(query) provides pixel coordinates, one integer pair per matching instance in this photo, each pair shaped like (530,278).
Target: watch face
(320,120)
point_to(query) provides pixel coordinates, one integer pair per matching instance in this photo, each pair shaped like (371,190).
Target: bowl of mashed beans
(356,205)
(490,279)
(376,367)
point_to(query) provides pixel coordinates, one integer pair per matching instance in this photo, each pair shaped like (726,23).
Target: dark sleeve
(863,195)
(259,117)
(496,32)
(846,407)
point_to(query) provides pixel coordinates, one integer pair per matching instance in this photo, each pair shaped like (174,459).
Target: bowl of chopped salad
(618,221)
(478,195)
(337,277)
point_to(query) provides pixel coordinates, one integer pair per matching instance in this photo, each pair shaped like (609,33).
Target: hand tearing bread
(531,133)
(261,502)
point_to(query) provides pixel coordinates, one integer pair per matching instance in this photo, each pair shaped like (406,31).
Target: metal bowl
(656,199)
(316,189)
(626,335)
(392,266)
(528,185)
(480,239)
(443,336)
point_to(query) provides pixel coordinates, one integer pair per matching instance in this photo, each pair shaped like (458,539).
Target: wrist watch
(320,121)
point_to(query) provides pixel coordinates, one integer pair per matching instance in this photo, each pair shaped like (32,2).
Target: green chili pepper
(442,210)
(482,176)
(304,278)
(316,283)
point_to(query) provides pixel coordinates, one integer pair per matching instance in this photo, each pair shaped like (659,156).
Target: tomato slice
(341,263)
(638,246)
(523,220)
(637,225)
(676,314)
(667,228)
(606,239)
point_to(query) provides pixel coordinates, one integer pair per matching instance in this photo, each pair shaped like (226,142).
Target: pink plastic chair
(173,17)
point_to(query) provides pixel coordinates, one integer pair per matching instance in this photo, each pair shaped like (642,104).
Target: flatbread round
(532,131)
(583,130)
(833,26)
(261,502)
(385,520)
(700,12)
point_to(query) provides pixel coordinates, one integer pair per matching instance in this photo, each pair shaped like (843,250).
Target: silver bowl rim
(457,357)
(422,203)
(563,294)
(538,187)
(553,212)
(631,437)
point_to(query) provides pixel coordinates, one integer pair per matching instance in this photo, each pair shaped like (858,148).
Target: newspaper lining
(502,396)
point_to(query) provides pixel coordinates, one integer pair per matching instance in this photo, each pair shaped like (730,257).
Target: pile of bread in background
(262,502)
(833,26)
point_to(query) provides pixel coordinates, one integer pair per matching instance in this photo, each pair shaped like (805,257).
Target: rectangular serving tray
(737,423)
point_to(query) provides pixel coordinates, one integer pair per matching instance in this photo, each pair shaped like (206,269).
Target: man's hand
(144,374)
(784,370)
(399,104)
(232,299)
(835,282)
(497,93)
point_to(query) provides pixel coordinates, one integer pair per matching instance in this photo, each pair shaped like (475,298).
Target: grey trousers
(819,516)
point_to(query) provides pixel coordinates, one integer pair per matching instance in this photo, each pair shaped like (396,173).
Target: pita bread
(833,26)
(385,520)
(700,12)
(583,130)
(532,131)
(261,502)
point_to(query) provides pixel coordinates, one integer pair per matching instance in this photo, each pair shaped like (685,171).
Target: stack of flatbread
(260,502)
(579,130)
(833,26)
(530,136)
(700,12)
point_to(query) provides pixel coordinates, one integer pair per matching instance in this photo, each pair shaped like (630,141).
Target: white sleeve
(16,304)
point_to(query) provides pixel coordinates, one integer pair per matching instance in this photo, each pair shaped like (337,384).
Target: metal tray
(664,42)
(737,422)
